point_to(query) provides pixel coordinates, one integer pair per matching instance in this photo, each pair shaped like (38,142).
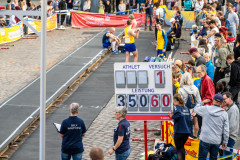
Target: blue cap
(218,97)
(195,31)
(146,59)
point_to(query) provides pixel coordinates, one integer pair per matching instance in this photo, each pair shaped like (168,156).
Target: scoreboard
(145,89)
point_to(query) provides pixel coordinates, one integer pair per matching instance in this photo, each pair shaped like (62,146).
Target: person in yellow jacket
(130,46)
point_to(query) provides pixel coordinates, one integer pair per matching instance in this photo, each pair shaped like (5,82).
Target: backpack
(225,22)
(223,30)
(228,24)
(155,157)
(168,151)
(191,101)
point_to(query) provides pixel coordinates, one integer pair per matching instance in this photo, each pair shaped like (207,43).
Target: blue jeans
(230,144)
(204,148)
(66,156)
(123,156)
(198,17)
(146,20)
(233,30)
(68,20)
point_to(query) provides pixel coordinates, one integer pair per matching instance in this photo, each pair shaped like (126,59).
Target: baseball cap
(195,31)
(171,20)
(218,97)
(191,50)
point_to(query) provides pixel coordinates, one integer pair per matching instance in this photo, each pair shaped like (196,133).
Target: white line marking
(49,69)
(31,116)
(65,84)
(46,102)
(19,127)
(169,57)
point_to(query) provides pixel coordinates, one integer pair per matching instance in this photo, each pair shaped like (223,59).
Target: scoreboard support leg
(167,132)
(162,126)
(145,140)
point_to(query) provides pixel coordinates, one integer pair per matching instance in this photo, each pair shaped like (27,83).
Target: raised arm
(135,35)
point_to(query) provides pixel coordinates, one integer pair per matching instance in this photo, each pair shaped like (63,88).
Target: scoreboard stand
(145,89)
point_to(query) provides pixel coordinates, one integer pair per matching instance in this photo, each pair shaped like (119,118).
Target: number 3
(121,100)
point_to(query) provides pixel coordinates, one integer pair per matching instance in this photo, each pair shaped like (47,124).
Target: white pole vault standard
(43,82)
(234,151)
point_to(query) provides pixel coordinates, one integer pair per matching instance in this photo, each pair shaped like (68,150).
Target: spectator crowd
(206,87)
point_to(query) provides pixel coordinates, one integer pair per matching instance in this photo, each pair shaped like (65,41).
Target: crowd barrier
(191,146)
(86,19)
(51,24)
(10,34)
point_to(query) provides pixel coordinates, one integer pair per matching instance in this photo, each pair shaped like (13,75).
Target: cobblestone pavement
(102,131)
(21,63)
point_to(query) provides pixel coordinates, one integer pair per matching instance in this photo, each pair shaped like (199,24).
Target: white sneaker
(172,47)
(62,27)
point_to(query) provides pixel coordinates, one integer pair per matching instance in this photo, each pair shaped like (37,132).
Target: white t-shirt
(218,21)
(87,5)
(211,39)
(194,41)
(160,12)
(12,21)
(199,5)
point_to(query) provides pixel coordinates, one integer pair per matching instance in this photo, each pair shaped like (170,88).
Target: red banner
(81,19)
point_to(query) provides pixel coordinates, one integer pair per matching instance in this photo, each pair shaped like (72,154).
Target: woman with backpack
(191,96)
(182,125)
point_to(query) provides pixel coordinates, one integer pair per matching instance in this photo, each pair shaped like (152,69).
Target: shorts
(130,47)
(160,53)
(106,45)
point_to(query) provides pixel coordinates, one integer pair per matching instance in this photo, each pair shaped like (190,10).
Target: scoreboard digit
(132,102)
(166,102)
(142,79)
(121,99)
(131,79)
(120,79)
(159,79)
(143,102)
(154,102)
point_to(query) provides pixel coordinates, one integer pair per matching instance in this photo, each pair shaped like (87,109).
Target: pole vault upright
(43,82)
